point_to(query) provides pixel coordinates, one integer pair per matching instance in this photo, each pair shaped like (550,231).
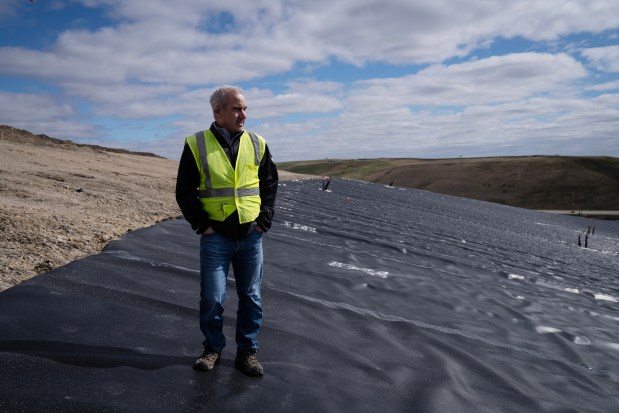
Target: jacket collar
(225,134)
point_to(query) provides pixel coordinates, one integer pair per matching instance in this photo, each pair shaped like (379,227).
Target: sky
(336,79)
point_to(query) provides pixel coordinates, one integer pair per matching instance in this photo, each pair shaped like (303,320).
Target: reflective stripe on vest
(227,192)
(211,192)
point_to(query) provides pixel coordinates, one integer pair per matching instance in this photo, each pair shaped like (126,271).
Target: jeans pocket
(255,228)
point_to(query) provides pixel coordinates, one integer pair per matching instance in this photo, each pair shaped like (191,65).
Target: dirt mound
(11,134)
(60,201)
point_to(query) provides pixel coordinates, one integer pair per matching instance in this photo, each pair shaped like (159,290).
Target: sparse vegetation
(536,182)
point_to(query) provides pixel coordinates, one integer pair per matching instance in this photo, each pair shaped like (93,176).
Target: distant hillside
(535,182)
(11,134)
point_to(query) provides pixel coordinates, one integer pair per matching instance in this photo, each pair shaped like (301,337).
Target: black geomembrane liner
(376,299)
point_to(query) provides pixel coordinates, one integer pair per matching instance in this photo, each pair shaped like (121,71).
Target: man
(226,188)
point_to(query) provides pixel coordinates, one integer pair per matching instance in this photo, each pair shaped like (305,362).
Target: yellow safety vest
(224,189)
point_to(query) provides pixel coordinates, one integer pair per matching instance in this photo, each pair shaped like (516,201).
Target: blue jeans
(216,254)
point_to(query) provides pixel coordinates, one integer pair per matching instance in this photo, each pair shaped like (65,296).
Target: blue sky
(323,79)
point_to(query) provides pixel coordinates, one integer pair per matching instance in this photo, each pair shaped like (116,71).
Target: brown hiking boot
(207,360)
(247,362)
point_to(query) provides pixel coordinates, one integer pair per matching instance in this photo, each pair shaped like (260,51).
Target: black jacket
(188,180)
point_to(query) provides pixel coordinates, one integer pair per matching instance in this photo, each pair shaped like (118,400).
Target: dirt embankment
(60,201)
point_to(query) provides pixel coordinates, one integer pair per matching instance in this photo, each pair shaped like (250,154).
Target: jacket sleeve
(187,183)
(267,173)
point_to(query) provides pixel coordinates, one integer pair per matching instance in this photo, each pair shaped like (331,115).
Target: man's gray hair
(219,98)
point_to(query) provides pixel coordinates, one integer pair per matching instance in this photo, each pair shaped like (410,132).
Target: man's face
(232,117)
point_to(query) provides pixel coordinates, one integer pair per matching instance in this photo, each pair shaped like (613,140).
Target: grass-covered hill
(569,183)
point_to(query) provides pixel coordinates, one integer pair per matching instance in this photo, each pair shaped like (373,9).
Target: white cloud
(603,58)
(21,107)
(165,42)
(525,127)
(265,104)
(604,86)
(493,80)
(41,113)
(401,31)
(520,103)
(161,59)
